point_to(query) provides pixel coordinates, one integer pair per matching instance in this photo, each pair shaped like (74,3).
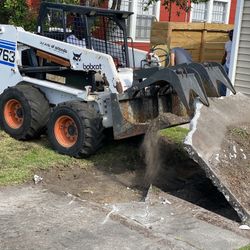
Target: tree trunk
(170,11)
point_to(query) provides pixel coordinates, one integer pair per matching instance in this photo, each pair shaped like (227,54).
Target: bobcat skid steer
(77,76)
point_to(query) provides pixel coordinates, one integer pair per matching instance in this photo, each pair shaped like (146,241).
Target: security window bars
(211,11)
(144,20)
(139,25)
(219,12)
(199,12)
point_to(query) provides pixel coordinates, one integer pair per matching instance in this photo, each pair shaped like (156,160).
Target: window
(139,24)
(199,12)
(219,12)
(144,20)
(211,11)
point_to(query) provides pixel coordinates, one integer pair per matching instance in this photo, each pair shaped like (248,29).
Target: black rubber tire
(89,126)
(35,111)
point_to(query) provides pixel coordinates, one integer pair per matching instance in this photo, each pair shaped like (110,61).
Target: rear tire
(75,129)
(24,112)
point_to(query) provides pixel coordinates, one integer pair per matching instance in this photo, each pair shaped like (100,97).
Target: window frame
(209,12)
(133,19)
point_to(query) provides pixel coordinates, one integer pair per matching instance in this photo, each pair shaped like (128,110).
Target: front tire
(24,112)
(75,129)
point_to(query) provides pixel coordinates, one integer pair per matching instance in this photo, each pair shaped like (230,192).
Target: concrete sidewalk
(33,218)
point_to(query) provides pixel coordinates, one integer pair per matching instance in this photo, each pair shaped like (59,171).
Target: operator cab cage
(102,30)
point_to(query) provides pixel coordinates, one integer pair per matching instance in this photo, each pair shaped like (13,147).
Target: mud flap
(225,161)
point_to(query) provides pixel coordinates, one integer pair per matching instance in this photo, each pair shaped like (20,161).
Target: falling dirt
(151,145)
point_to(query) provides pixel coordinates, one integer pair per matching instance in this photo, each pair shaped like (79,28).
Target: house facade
(239,71)
(139,24)
(219,11)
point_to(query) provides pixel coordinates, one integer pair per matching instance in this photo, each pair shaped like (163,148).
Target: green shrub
(17,12)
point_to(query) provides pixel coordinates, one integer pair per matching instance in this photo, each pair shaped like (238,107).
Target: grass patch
(241,132)
(245,248)
(19,160)
(124,152)
(175,134)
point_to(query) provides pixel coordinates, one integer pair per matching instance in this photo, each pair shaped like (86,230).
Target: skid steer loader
(77,76)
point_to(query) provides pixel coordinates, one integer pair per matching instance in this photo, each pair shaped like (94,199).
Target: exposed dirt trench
(169,168)
(159,161)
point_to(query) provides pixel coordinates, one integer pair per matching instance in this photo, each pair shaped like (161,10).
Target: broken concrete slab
(224,161)
(36,218)
(177,220)
(33,218)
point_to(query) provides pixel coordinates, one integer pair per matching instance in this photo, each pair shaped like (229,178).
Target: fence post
(203,43)
(169,35)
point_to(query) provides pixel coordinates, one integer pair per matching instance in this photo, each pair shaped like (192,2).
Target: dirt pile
(233,168)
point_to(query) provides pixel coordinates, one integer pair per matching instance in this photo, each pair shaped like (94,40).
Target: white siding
(242,76)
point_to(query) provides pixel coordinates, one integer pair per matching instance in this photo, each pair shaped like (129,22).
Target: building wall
(181,17)
(184,17)
(232,11)
(241,77)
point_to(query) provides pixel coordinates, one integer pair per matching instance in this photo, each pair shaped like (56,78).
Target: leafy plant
(182,5)
(245,248)
(16,12)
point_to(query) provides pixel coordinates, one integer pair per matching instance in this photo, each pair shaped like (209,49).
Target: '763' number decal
(7,55)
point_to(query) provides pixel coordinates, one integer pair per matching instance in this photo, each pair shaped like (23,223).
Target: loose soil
(233,168)
(119,181)
(174,173)
(96,184)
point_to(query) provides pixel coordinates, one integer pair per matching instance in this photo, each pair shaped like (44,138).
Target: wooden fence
(205,41)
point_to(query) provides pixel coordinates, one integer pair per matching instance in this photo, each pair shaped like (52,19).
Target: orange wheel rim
(66,131)
(13,113)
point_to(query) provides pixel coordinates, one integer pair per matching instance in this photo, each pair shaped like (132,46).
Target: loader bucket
(151,96)
(225,160)
(132,117)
